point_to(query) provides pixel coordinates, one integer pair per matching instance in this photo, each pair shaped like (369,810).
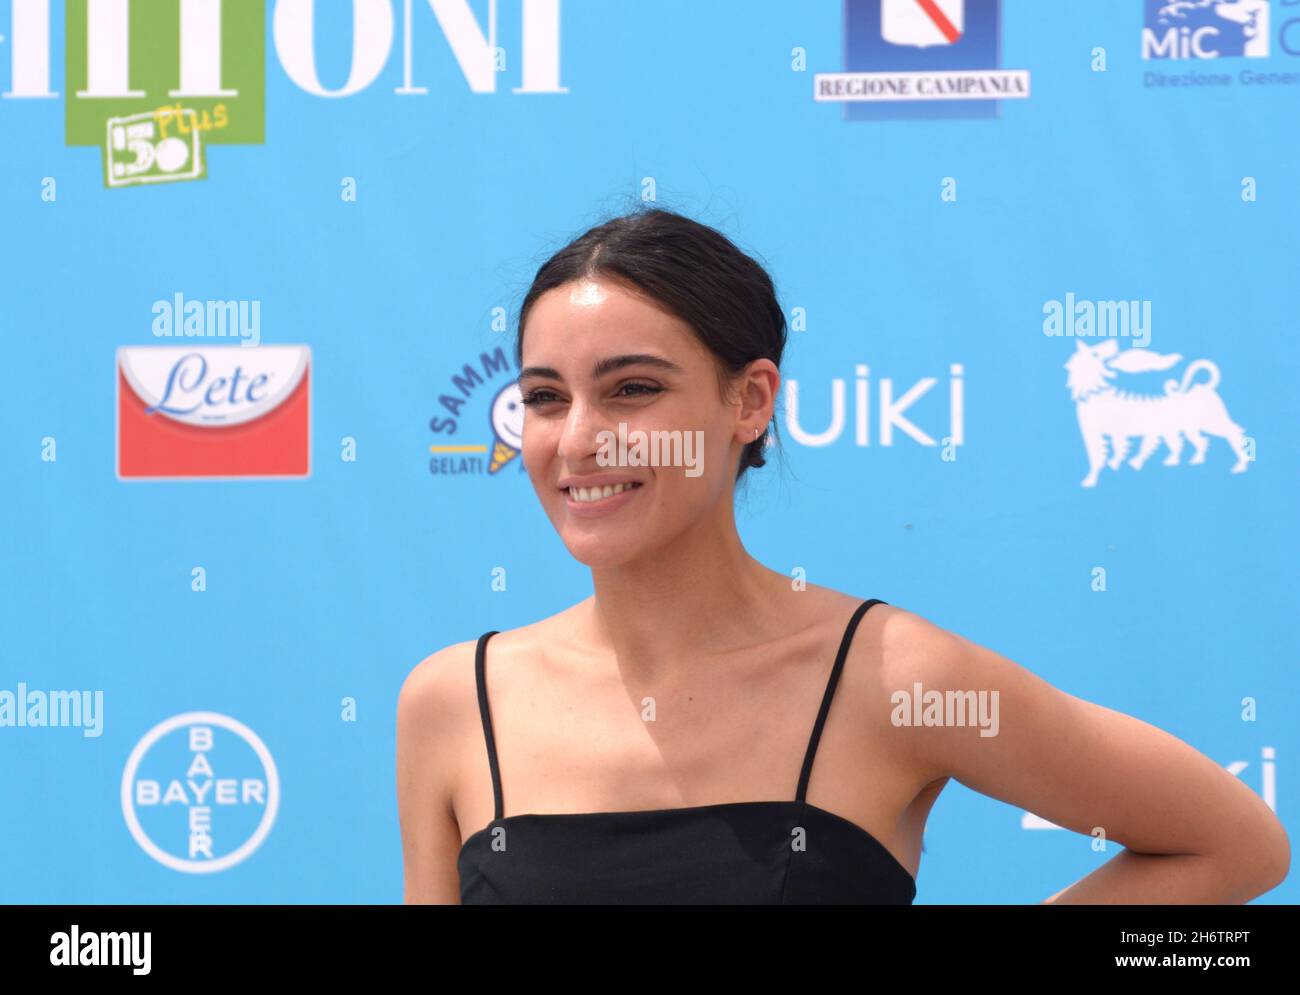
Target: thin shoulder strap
(480,677)
(806,773)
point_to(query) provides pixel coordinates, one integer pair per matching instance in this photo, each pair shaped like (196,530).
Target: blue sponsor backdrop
(918,247)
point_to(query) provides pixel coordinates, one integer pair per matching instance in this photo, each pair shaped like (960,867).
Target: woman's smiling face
(599,358)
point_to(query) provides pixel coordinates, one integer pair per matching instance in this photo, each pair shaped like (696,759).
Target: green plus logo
(153,84)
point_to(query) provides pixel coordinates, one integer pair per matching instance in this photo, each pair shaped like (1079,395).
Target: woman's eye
(640,389)
(538,397)
(543,396)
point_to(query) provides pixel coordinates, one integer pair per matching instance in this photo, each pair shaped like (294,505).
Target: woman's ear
(758,383)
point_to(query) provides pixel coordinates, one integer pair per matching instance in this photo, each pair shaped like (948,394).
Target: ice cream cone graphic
(507,426)
(501,455)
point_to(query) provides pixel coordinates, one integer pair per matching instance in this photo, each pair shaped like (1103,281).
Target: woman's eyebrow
(606,366)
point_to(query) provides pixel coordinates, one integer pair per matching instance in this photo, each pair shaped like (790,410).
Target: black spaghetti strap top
(758,852)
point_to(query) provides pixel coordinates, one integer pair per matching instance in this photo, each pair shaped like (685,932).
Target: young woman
(703,729)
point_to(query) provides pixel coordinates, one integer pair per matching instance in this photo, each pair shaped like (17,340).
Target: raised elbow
(1278,856)
(1264,860)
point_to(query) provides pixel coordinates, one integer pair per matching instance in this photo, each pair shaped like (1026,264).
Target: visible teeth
(596,493)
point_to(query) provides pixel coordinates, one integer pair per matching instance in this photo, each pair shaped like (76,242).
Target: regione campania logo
(186,412)
(921,59)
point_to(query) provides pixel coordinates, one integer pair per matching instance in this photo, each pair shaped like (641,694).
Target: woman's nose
(582,426)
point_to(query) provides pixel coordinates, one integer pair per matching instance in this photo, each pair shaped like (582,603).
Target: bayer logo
(200,792)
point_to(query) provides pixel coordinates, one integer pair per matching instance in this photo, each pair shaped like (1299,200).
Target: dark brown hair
(691,270)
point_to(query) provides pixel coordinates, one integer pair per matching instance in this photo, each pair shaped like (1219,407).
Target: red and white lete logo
(213,411)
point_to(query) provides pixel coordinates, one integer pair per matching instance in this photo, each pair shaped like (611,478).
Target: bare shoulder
(908,647)
(911,646)
(526,647)
(438,719)
(434,708)
(920,666)
(432,711)
(436,684)
(891,650)
(442,689)
(891,641)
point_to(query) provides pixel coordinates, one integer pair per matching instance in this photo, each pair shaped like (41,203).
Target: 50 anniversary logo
(153,82)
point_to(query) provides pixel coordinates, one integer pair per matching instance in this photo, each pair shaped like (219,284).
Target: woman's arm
(426,725)
(1193,833)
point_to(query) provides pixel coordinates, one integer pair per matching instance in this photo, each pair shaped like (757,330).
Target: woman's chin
(601,553)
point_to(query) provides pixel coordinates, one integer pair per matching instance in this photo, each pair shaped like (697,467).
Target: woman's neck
(701,593)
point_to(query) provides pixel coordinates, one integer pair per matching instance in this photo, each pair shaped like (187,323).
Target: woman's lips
(602,507)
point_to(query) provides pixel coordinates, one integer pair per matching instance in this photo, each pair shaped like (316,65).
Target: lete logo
(213,411)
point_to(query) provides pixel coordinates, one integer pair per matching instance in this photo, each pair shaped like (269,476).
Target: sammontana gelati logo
(921,59)
(154,82)
(200,792)
(492,409)
(1113,413)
